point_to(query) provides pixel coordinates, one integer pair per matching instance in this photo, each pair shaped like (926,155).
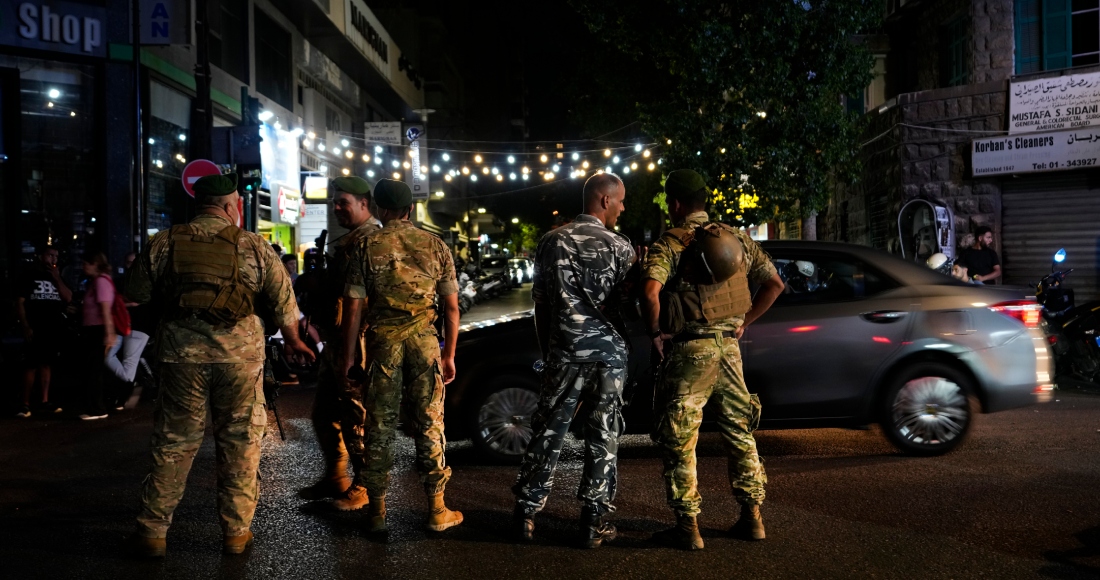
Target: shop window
(60,173)
(274,77)
(1056,34)
(953,41)
(169,124)
(229,37)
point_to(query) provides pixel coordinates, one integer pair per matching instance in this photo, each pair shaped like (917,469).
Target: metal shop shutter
(1043,213)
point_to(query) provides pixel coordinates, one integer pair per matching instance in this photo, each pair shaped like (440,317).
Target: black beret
(352,185)
(215,185)
(683,182)
(390,194)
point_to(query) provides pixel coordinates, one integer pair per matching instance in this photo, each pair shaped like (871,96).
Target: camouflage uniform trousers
(600,387)
(338,414)
(405,378)
(695,372)
(235,396)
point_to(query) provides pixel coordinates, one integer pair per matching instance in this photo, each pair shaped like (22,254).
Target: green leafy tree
(521,237)
(750,93)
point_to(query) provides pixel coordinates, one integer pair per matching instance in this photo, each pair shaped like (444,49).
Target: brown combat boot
(440,518)
(376,516)
(143,547)
(354,498)
(333,485)
(237,544)
(750,526)
(684,535)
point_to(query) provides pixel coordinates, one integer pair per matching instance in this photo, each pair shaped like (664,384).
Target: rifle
(272,384)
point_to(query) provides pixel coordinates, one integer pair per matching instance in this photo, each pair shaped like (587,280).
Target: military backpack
(697,290)
(204,277)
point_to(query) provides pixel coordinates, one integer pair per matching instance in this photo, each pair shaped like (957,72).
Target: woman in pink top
(97,334)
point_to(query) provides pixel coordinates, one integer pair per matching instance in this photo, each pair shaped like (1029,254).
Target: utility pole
(202,121)
(137,208)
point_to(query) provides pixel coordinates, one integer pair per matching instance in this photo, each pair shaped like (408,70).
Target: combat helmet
(720,253)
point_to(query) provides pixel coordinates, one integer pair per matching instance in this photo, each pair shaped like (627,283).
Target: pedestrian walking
(577,268)
(208,277)
(97,333)
(338,412)
(399,272)
(40,311)
(696,304)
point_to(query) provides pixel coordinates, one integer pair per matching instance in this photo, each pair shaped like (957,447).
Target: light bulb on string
(585,164)
(477,158)
(525,177)
(465,171)
(345,171)
(344,142)
(473,177)
(370,173)
(395,163)
(512,176)
(615,159)
(668,141)
(446,177)
(320,146)
(626,170)
(651,166)
(435,168)
(607,169)
(495,171)
(397,176)
(446,157)
(349,154)
(407,165)
(556,168)
(378,160)
(366,158)
(335,150)
(607,153)
(423,169)
(634,165)
(511,159)
(576,156)
(637,147)
(525,170)
(485,170)
(543,158)
(500,177)
(645,153)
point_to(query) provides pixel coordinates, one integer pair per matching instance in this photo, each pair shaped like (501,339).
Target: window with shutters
(1056,34)
(953,41)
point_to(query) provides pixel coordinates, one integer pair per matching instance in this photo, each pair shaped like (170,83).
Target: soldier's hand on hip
(448,370)
(295,348)
(740,330)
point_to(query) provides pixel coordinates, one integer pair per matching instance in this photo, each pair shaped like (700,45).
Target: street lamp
(515,220)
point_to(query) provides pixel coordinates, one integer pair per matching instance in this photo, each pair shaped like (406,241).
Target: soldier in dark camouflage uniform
(208,365)
(701,364)
(398,272)
(338,412)
(577,266)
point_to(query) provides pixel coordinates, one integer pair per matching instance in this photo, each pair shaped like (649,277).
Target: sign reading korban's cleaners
(1036,152)
(1060,103)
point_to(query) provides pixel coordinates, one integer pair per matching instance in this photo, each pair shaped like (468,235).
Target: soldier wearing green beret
(338,411)
(397,274)
(701,360)
(207,277)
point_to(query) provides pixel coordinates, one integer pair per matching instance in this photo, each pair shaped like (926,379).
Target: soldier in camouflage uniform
(338,412)
(205,276)
(577,267)
(703,363)
(398,272)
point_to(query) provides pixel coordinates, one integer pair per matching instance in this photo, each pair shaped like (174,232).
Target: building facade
(949,77)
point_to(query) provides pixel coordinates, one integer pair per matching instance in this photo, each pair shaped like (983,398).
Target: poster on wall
(1036,153)
(1066,102)
(385,133)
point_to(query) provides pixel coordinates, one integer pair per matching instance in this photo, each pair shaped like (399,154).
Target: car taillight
(1026,311)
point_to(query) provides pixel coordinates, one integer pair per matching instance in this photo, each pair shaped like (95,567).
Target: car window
(819,278)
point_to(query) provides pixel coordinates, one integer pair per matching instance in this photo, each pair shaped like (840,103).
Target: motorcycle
(1071,330)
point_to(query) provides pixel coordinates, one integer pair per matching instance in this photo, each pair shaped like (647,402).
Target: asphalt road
(1018,500)
(514,301)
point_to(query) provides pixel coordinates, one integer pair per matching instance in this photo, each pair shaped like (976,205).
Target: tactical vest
(685,300)
(204,277)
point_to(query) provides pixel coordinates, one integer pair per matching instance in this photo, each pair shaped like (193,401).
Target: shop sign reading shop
(1066,102)
(54,26)
(1035,153)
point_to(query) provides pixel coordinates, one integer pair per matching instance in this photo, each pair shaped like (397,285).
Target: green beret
(684,182)
(352,185)
(390,194)
(215,185)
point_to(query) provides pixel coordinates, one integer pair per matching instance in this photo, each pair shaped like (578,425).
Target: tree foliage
(750,93)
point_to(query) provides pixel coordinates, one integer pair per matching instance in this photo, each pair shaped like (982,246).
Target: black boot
(595,531)
(523,525)
(684,535)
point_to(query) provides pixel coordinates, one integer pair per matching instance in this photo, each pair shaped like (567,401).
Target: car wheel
(928,409)
(502,418)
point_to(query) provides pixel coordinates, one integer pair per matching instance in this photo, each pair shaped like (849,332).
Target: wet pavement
(514,301)
(1018,500)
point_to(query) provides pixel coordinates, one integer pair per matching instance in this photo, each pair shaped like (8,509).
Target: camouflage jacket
(192,340)
(664,257)
(576,268)
(400,270)
(340,265)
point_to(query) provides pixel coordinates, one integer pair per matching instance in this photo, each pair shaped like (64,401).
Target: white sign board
(1035,153)
(385,134)
(1067,102)
(418,157)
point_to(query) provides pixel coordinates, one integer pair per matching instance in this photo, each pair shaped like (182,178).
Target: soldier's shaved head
(603,197)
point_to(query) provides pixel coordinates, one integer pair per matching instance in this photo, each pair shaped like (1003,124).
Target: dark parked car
(858,337)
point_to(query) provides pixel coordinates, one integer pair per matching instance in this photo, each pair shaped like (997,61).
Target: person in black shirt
(40,307)
(981,261)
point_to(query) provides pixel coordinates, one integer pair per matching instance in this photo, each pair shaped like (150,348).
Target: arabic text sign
(1035,153)
(385,133)
(1067,102)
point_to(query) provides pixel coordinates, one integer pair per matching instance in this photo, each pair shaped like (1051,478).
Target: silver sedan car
(858,337)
